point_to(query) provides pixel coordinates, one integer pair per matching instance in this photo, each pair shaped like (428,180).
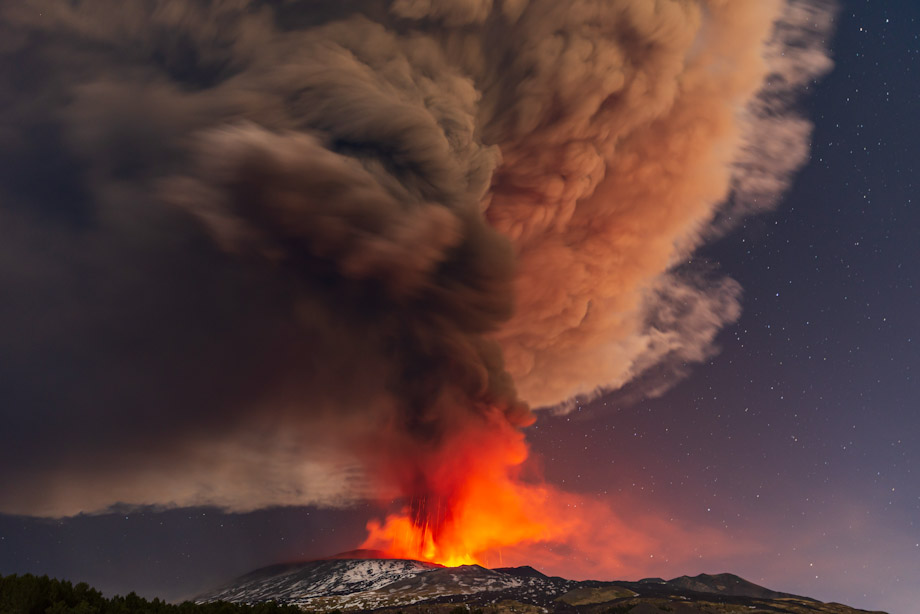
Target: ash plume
(279,253)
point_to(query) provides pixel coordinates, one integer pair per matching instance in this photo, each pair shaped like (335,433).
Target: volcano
(358,582)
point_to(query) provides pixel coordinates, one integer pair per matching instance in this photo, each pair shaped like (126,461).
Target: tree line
(28,594)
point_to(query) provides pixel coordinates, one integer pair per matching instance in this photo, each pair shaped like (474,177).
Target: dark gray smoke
(340,168)
(252,253)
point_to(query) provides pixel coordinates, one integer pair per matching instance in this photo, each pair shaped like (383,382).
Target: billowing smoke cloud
(647,115)
(260,253)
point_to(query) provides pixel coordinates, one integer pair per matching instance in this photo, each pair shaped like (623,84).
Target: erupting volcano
(367,240)
(467,501)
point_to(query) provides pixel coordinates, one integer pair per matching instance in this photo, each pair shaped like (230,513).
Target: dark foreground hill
(388,586)
(28,594)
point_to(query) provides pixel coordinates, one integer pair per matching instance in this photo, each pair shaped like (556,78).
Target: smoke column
(312,252)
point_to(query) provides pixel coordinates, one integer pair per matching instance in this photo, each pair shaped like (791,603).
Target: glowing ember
(468,502)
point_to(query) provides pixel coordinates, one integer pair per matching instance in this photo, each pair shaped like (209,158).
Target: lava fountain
(468,500)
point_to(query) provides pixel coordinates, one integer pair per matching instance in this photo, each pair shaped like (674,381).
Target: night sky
(796,443)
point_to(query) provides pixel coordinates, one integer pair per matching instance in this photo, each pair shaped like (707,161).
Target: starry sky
(796,441)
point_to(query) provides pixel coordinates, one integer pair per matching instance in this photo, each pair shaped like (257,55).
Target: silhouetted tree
(28,594)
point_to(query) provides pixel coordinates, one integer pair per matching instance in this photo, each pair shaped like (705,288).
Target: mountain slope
(298,583)
(413,587)
(726,584)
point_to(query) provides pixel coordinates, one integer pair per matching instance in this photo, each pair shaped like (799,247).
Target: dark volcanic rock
(525,571)
(726,584)
(653,581)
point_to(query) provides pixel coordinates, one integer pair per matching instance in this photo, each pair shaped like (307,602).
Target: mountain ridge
(389,586)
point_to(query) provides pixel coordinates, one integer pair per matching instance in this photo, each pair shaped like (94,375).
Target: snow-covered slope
(467,583)
(301,582)
(388,586)
(368,584)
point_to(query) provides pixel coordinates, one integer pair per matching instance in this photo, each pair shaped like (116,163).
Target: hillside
(413,587)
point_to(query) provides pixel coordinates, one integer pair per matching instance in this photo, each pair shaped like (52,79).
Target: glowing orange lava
(467,502)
